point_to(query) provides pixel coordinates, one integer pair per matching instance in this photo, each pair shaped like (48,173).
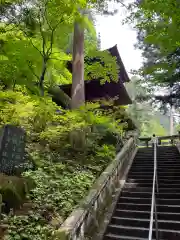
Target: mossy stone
(13,190)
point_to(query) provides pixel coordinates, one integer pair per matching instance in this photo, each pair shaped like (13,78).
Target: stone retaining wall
(86,219)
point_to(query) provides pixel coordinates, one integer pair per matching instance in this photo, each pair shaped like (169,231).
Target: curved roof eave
(123,73)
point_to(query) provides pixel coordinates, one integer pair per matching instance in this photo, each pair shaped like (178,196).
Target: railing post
(155,160)
(159,141)
(156,221)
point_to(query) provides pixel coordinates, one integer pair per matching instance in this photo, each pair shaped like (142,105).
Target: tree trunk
(60,96)
(77,91)
(77,137)
(14,85)
(171,120)
(41,81)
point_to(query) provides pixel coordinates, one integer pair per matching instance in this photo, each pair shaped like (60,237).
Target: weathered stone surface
(12,148)
(86,219)
(13,190)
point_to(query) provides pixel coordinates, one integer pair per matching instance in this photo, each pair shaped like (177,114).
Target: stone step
(131,216)
(150,174)
(165,195)
(147,200)
(149,184)
(141,232)
(161,180)
(147,207)
(128,230)
(144,223)
(159,154)
(159,158)
(149,189)
(122,237)
(168,216)
(159,161)
(159,169)
(168,165)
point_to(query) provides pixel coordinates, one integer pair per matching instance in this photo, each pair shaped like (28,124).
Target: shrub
(63,173)
(30,112)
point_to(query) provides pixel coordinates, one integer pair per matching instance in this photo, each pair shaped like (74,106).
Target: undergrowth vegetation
(63,171)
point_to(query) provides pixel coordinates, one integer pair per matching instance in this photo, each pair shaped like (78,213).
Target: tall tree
(43,24)
(158,29)
(141,110)
(77,92)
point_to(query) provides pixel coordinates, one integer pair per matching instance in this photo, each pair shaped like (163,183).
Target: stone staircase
(131,217)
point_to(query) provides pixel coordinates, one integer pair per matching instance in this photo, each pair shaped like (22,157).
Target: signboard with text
(12,148)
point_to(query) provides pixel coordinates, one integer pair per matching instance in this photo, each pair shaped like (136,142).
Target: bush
(29,112)
(63,173)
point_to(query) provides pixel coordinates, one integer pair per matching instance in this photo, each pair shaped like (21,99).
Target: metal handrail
(160,139)
(153,201)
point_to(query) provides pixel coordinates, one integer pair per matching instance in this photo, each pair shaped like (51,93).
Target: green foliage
(34,41)
(106,69)
(161,20)
(153,127)
(142,111)
(60,187)
(63,174)
(21,62)
(22,53)
(157,23)
(31,113)
(16,54)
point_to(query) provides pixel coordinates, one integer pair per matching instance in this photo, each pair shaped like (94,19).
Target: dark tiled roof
(123,76)
(110,90)
(122,71)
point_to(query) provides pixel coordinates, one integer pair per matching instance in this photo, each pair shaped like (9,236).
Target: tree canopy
(157,25)
(36,41)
